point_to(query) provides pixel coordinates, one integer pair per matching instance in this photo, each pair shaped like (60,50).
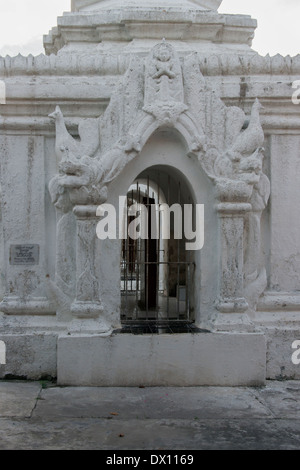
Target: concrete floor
(35,417)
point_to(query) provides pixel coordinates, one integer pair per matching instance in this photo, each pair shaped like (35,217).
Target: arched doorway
(157,270)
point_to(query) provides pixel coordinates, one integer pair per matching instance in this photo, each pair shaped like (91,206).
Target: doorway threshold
(158,328)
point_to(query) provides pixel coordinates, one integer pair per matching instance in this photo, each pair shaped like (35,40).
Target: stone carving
(163,76)
(82,182)
(87,303)
(250,139)
(211,65)
(80,177)
(61,291)
(88,130)
(243,191)
(165,92)
(88,286)
(254,269)
(242,160)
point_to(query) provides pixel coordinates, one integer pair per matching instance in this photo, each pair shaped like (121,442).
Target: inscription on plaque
(24,255)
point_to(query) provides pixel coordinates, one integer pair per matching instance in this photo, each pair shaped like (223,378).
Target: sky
(24,22)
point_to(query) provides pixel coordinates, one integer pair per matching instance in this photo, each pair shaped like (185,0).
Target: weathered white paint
(132,111)
(163,360)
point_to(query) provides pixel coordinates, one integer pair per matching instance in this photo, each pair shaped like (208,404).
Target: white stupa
(109,25)
(93,5)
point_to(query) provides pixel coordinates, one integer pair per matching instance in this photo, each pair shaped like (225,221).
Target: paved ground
(37,415)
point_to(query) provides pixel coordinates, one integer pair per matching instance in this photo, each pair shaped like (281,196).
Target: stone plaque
(24,255)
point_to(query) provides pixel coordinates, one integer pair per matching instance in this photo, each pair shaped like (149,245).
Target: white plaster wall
(31,356)
(285,213)
(23,208)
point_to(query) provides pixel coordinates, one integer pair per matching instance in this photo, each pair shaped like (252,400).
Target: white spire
(86,5)
(195,24)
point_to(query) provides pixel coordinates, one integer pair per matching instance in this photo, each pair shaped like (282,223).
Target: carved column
(231,285)
(87,303)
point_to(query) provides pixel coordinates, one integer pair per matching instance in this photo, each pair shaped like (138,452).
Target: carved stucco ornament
(164,91)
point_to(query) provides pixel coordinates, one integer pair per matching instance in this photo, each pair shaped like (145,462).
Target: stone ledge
(35,306)
(128,23)
(279,301)
(221,359)
(94,61)
(29,356)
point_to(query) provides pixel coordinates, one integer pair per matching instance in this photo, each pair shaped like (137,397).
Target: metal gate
(156,272)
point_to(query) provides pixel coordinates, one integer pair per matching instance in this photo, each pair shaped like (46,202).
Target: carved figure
(250,139)
(88,130)
(243,160)
(164,63)
(259,201)
(254,269)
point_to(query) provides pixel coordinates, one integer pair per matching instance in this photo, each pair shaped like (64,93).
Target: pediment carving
(164,91)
